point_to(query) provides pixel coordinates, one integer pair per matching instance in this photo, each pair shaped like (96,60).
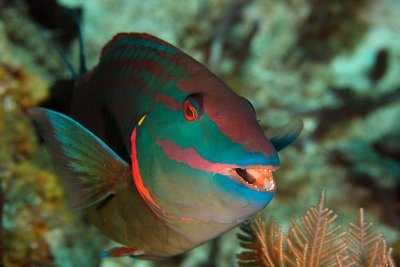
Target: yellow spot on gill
(141,120)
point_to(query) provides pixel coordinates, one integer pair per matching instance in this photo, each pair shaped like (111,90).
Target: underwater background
(335,64)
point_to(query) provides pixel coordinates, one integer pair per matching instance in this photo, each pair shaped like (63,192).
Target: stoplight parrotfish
(159,153)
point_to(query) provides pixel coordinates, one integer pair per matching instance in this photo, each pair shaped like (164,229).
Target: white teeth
(256,177)
(259,173)
(264,178)
(269,184)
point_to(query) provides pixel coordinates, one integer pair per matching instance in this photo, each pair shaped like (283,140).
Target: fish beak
(259,178)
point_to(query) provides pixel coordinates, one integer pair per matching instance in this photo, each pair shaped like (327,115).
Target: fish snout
(258,178)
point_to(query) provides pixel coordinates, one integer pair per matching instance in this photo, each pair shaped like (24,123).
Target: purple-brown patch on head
(168,101)
(233,114)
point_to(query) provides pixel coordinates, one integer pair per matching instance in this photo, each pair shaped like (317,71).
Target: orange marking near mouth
(123,251)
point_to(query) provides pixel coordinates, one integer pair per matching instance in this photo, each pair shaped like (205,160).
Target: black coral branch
(314,241)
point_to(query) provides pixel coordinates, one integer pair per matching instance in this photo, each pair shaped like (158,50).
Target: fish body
(158,151)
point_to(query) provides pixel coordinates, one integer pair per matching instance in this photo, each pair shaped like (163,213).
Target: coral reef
(35,221)
(333,64)
(315,241)
(329,22)
(24,43)
(29,190)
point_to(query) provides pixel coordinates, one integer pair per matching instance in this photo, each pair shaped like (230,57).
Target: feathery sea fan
(315,241)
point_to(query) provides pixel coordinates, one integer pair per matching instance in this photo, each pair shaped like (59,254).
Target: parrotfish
(158,152)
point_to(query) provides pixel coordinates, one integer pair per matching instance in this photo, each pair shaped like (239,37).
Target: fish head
(202,155)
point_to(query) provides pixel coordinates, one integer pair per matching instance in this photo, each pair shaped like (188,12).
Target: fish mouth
(259,178)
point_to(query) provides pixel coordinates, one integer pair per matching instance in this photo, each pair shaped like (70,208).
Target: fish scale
(159,153)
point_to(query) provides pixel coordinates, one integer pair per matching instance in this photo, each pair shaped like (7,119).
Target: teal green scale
(124,85)
(159,153)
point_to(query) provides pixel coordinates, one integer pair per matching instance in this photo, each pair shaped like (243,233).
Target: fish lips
(258,177)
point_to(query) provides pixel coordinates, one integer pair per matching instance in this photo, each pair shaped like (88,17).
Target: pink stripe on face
(190,157)
(144,192)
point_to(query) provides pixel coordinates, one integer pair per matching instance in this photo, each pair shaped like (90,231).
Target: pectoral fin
(283,136)
(89,168)
(122,251)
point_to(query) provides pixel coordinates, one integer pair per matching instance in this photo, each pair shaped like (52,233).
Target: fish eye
(192,107)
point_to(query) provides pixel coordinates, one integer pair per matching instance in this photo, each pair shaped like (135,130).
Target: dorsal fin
(139,40)
(67,63)
(82,56)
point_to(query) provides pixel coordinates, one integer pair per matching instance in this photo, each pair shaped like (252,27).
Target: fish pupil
(189,111)
(243,173)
